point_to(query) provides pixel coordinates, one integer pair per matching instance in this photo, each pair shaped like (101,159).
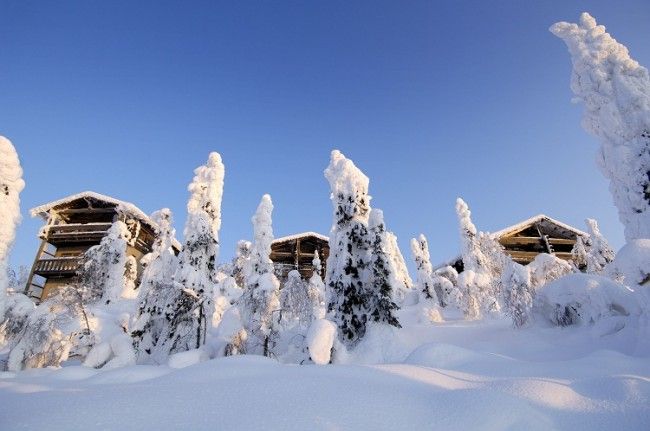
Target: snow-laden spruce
(156,291)
(11,184)
(349,265)
(260,304)
(242,254)
(483,263)
(615,91)
(188,297)
(424,281)
(599,253)
(383,277)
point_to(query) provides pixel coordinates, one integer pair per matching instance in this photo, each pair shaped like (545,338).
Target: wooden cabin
(539,234)
(297,252)
(73,225)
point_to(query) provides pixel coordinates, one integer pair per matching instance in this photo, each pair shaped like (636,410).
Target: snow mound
(585,299)
(185,359)
(320,339)
(438,355)
(632,263)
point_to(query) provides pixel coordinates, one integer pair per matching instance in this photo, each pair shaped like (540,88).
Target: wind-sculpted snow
(615,91)
(460,376)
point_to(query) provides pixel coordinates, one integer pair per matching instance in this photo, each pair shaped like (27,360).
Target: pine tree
(483,262)
(599,253)
(259,304)
(157,289)
(348,264)
(11,184)
(189,305)
(382,281)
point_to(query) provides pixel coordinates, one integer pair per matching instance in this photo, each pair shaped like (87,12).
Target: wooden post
(39,253)
(297,261)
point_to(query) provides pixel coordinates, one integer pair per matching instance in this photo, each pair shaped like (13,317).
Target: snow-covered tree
(615,90)
(102,273)
(424,282)
(479,280)
(599,253)
(259,304)
(579,253)
(348,264)
(11,184)
(517,293)
(242,254)
(295,301)
(189,310)
(157,291)
(317,291)
(445,283)
(383,280)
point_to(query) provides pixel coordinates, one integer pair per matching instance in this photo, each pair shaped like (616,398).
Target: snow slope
(455,375)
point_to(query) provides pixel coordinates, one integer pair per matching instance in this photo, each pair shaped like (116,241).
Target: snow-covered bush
(579,253)
(446,286)
(11,184)
(320,340)
(632,264)
(584,299)
(317,291)
(295,301)
(17,310)
(599,253)
(48,337)
(517,293)
(546,268)
(615,91)
(259,304)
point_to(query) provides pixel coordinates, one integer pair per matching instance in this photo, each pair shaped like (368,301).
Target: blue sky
(432,100)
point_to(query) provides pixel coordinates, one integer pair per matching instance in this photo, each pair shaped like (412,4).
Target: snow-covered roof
(123,206)
(535,219)
(128,207)
(300,235)
(518,227)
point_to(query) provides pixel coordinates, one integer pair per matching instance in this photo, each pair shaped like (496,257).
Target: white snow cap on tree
(206,192)
(11,184)
(349,189)
(260,255)
(615,90)
(599,253)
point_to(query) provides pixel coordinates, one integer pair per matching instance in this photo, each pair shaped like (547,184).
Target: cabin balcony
(87,233)
(61,266)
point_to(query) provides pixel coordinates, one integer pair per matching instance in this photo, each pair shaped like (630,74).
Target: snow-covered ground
(452,375)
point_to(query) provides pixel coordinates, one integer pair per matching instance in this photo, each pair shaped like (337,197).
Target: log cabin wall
(297,252)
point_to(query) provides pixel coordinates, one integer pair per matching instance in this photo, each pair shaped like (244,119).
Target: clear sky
(431,99)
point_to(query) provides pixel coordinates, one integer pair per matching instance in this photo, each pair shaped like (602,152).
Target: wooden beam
(563,255)
(520,240)
(562,241)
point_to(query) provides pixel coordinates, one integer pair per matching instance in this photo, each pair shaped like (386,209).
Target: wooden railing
(91,232)
(60,266)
